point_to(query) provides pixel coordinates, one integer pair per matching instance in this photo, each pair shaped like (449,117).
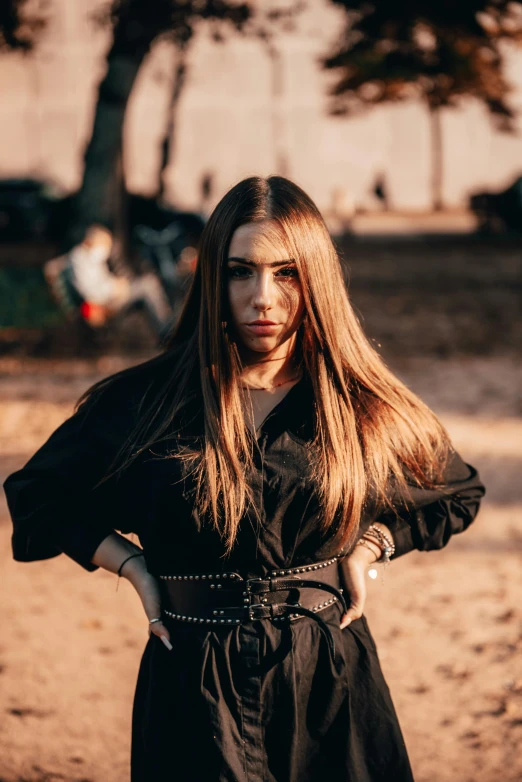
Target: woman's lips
(262,329)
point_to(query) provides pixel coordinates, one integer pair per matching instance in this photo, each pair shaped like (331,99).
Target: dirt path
(448,625)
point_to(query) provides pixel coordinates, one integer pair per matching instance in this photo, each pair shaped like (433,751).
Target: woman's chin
(261,344)
(264,343)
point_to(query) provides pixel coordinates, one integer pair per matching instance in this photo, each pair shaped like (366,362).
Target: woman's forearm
(113,551)
(110,554)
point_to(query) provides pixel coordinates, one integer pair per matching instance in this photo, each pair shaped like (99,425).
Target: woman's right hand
(147,587)
(118,555)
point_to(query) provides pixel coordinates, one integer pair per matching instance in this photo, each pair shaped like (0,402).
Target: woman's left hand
(353,572)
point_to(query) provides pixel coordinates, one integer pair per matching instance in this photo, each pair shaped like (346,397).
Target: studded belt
(230,599)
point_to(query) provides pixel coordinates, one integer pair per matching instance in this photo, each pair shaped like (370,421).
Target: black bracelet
(138,554)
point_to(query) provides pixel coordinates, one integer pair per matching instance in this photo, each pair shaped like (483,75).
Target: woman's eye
(288,271)
(238,272)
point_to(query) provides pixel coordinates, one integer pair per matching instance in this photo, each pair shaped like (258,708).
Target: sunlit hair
(371,431)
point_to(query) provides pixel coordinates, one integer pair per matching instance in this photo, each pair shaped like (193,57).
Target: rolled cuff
(79,542)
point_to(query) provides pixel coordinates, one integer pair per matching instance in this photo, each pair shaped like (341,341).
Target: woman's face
(264,292)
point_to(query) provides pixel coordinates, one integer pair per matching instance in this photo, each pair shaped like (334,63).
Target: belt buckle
(257,586)
(254,608)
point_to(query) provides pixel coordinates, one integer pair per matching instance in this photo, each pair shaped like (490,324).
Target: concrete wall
(230,123)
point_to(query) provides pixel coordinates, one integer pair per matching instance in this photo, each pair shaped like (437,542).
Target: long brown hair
(370,430)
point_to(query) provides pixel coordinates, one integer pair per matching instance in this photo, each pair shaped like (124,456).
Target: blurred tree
(440,51)
(19,26)
(136,24)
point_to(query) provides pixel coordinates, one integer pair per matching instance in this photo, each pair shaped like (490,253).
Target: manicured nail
(166,642)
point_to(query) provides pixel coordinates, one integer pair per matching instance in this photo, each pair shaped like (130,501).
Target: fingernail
(166,642)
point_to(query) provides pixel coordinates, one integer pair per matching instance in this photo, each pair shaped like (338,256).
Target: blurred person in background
(265,459)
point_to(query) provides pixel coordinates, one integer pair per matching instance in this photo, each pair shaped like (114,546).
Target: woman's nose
(264,290)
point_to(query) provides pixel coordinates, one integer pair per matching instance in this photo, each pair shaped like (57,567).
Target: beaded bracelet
(385,542)
(376,531)
(386,551)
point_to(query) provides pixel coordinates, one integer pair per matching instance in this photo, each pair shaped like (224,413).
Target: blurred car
(32,210)
(500,211)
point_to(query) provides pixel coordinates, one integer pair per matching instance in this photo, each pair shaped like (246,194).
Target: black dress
(257,702)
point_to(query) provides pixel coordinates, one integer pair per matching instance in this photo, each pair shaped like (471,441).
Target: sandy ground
(448,624)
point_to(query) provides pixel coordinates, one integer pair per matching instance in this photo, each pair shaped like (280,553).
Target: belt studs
(220,576)
(304,568)
(200,577)
(201,620)
(323,605)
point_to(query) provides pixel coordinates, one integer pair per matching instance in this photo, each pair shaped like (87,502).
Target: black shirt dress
(259,701)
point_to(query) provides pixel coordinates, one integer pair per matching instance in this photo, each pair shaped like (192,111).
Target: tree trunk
(168,143)
(94,201)
(437,158)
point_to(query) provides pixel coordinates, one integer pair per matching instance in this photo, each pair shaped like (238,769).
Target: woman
(265,458)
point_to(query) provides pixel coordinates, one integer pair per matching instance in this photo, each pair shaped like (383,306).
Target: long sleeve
(54,501)
(431,516)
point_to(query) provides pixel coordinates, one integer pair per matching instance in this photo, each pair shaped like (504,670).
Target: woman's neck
(268,370)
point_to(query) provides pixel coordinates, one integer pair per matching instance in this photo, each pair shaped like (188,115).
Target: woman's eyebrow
(248,262)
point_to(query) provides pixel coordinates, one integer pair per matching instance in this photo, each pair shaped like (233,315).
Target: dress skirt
(261,702)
